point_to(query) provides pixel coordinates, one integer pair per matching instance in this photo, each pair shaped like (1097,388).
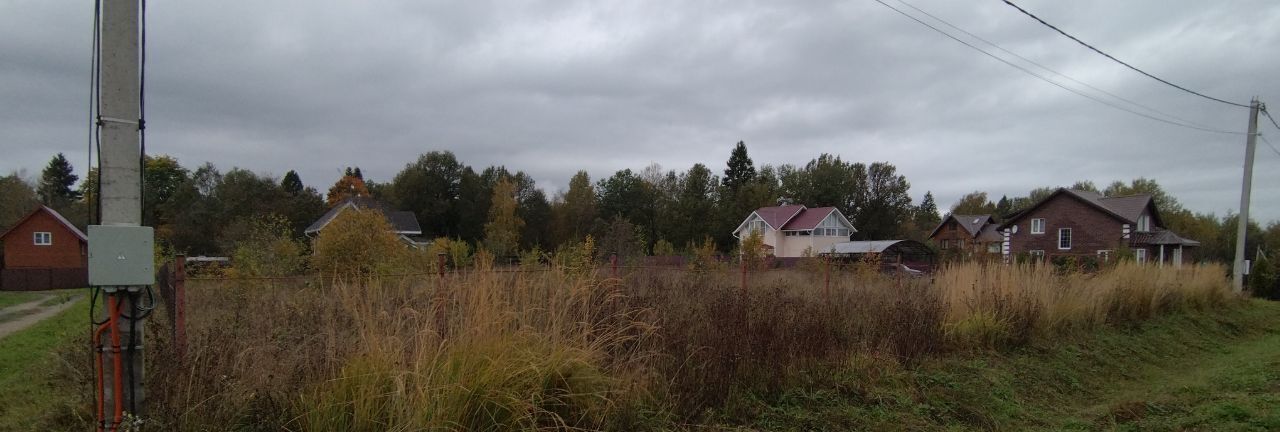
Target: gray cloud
(553,87)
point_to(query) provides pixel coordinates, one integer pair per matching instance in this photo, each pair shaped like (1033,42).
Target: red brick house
(1086,224)
(968,235)
(46,240)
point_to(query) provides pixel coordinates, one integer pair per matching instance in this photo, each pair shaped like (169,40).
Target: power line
(1273,147)
(1050,70)
(1055,83)
(1269,117)
(1024,11)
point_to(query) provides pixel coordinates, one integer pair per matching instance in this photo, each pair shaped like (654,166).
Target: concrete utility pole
(120,249)
(1242,222)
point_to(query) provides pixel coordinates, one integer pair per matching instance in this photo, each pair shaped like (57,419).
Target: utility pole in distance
(1242,220)
(121,251)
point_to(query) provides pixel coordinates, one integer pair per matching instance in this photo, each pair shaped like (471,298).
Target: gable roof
(971,223)
(1125,208)
(57,216)
(778,216)
(402,222)
(794,217)
(811,217)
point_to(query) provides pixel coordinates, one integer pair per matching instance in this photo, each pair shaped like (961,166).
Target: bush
(1263,280)
(358,242)
(268,250)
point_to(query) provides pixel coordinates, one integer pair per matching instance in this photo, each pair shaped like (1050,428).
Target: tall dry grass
(551,349)
(992,305)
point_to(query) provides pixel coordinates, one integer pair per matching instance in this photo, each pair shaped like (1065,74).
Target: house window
(946,244)
(1064,238)
(961,244)
(1036,255)
(1140,255)
(1144,223)
(1037,226)
(42,238)
(993,247)
(1104,255)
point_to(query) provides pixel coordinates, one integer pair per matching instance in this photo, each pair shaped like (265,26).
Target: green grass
(39,384)
(10,298)
(1193,371)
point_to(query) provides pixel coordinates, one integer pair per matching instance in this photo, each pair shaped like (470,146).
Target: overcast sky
(551,87)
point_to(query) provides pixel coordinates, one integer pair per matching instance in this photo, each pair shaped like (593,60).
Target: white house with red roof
(790,230)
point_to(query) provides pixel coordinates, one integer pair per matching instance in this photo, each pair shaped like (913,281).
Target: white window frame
(1140,255)
(1144,223)
(1069,238)
(1039,230)
(38,236)
(1104,255)
(1036,254)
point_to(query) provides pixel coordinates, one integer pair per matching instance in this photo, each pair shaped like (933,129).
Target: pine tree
(1003,207)
(292,184)
(56,183)
(740,170)
(926,216)
(358,174)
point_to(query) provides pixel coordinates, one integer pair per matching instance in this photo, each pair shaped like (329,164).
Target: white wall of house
(795,245)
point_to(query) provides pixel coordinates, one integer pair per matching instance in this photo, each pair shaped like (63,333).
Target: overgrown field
(565,348)
(984,348)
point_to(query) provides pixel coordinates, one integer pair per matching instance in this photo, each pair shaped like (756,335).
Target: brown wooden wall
(67,251)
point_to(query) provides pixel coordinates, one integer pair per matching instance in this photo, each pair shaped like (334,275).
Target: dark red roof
(778,216)
(809,218)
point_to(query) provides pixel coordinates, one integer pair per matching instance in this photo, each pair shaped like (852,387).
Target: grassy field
(1195,371)
(41,371)
(978,349)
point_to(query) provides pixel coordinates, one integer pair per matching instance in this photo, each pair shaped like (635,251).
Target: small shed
(912,253)
(44,239)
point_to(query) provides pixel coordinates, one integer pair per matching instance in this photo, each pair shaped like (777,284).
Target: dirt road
(21,316)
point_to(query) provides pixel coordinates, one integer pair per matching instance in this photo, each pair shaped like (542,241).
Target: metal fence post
(180,307)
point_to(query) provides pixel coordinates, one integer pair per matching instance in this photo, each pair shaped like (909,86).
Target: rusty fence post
(441,298)
(180,307)
(826,284)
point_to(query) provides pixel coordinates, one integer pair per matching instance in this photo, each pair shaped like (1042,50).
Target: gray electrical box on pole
(121,251)
(1238,270)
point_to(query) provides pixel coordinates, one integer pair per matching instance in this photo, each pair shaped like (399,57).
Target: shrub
(358,242)
(268,250)
(703,257)
(663,248)
(1263,280)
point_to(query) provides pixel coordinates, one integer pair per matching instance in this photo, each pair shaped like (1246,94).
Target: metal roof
(880,246)
(403,222)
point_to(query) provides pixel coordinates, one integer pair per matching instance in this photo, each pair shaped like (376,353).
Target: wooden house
(44,239)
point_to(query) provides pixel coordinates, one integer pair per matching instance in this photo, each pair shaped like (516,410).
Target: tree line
(206,211)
